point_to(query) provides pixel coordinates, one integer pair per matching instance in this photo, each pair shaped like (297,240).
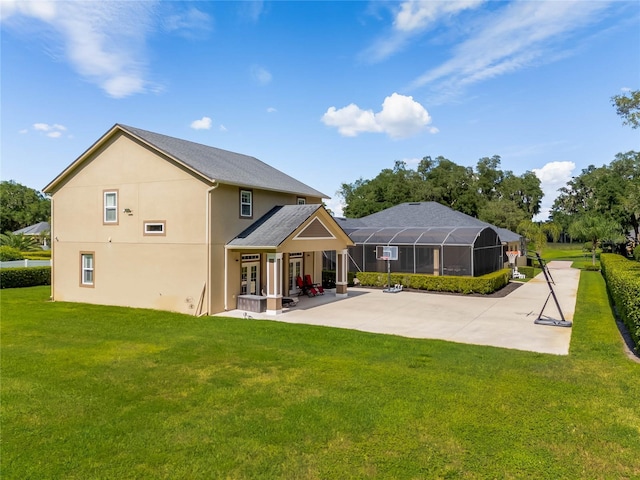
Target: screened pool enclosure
(468,250)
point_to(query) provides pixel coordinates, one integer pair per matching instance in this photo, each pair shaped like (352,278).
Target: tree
(502,213)
(23,243)
(595,229)
(21,206)
(536,233)
(628,107)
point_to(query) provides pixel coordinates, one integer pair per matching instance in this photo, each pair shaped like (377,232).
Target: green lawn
(91,392)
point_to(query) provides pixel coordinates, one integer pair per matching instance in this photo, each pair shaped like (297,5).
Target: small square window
(86,269)
(110,207)
(155,228)
(246,203)
(302,201)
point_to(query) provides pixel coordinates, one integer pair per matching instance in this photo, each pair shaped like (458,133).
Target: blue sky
(327,92)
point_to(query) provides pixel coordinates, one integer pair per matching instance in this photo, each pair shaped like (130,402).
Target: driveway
(506,322)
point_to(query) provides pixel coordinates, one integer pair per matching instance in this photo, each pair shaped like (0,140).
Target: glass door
(295,270)
(250,278)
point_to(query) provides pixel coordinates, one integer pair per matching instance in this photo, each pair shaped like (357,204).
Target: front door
(295,270)
(250,278)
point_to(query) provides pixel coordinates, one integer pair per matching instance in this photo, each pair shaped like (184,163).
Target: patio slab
(506,322)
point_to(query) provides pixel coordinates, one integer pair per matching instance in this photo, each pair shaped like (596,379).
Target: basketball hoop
(512,255)
(383,258)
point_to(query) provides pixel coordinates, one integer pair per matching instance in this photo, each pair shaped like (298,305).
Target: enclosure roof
(421,215)
(461,236)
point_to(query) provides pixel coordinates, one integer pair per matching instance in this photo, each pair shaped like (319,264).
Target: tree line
(489,193)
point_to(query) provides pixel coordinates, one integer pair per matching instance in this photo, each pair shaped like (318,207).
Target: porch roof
(274,227)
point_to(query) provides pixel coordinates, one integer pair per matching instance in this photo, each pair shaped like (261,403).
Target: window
(246,203)
(110,207)
(155,227)
(86,269)
(302,201)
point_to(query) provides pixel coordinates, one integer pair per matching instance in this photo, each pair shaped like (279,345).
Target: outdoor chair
(304,289)
(517,274)
(308,283)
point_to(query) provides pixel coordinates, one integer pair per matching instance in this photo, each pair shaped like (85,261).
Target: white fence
(25,263)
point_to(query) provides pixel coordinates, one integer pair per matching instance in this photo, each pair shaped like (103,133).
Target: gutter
(207,236)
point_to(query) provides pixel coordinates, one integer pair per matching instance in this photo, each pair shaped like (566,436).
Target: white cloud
(552,175)
(203,124)
(222,128)
(104,42)
(401,116)
(271,110)
(52,131)
(261,75)
(192,23)
(516,36)
(419,15)
(413,18)
(24,130)
(336,206)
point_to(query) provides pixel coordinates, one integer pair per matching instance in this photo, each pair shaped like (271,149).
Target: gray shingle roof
(420,214)
(36,229)
(275,226)
(224,166)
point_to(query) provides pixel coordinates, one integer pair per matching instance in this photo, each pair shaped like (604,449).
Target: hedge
(39,255)
(623,282)
(10,254)
(25,277)
(485,284)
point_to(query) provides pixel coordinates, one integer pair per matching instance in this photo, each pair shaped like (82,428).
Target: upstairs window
(302,201)
(110,207)
(246,203)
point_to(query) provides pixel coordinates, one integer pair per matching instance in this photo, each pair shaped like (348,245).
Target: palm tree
(594,228)
(24,243)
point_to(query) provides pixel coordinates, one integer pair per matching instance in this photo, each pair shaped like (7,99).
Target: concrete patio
(506,322)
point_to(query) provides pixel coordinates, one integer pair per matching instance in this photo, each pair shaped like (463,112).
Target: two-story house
(147,220)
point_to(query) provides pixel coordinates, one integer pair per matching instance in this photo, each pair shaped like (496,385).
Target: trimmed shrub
(39,255)
(636,253)
(528,272)
(485,284)
(623,282)
(9,254)
(25,277)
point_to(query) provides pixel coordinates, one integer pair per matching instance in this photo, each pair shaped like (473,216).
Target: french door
(250,278)
(295,271)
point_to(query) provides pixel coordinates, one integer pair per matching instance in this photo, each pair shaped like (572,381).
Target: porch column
(436,262)
(341,272)
(274,283)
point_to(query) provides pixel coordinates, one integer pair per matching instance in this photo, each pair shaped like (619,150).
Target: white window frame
(149,223)
(107,208)
(87,268)
(244,203)
(302,201)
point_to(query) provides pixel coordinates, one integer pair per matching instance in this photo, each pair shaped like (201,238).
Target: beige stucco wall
(164,272)
(225,217)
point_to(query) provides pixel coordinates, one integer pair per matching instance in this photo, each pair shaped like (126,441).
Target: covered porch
(263,262)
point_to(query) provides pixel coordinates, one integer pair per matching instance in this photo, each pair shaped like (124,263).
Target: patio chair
(517,274)
(304,289)
(308,283)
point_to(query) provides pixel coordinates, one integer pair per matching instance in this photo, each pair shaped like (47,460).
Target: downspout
(208,244)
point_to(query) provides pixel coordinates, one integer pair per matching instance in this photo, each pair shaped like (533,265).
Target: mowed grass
(93,392)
